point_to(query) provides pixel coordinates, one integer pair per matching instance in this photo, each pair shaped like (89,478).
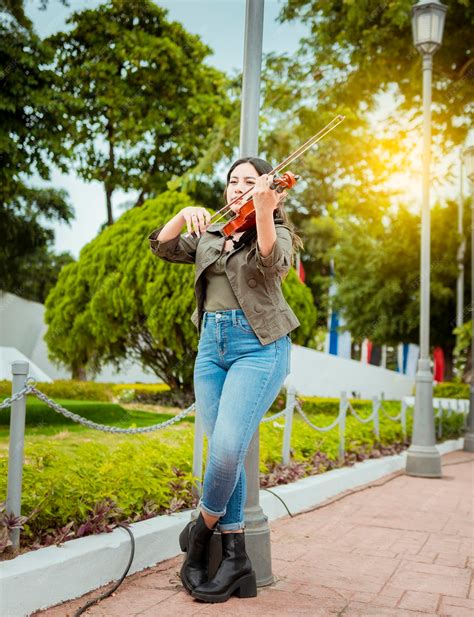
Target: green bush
(451,389)
(92,390)
(68,389)
(63,480)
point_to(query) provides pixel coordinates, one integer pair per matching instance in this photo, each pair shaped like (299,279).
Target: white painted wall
(22,328)
(314,373)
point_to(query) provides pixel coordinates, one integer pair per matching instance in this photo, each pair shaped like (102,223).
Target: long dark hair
(280,215)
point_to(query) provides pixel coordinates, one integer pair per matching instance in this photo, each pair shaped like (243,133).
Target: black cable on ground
(81,610)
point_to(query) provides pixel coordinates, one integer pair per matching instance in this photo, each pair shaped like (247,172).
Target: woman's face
(241,179)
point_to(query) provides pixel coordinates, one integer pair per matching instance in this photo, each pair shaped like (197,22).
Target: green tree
(28,137)
(378,278)
(138,102)
(118,301)
(356,51)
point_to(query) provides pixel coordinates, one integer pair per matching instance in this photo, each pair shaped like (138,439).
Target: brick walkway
(405,548)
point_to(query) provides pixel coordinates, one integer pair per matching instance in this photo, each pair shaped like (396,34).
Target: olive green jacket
(256,280)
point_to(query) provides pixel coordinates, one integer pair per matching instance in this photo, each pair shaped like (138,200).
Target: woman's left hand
(264,198)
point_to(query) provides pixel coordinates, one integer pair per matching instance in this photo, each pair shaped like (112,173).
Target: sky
(219,23)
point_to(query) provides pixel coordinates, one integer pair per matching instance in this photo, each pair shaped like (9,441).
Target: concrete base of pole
(469,442)
(257,543)
(257,530)
(423,461)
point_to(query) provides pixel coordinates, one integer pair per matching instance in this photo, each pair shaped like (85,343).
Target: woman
(243,359)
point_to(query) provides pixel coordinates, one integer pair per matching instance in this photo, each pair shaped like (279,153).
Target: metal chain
(356,415)
(313,426)
(275,416)
(30,389)
(8,401)
(387,415)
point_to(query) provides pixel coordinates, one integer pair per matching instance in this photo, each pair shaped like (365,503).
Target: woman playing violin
(242,361)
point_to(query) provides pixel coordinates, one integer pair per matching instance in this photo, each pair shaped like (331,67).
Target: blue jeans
(236,380)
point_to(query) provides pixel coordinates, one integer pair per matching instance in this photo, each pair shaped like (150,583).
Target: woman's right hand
(197,219)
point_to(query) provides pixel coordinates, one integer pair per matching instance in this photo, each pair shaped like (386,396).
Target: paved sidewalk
(404,548)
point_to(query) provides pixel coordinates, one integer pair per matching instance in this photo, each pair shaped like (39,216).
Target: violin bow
(292,157)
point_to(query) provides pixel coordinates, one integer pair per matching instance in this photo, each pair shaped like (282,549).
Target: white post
(290,406)
(16,447)
(342,425)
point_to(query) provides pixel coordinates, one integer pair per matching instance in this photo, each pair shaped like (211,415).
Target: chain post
(289,412)
(16,447)
(342,425)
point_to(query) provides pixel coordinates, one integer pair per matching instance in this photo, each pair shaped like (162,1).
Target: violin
(245,217)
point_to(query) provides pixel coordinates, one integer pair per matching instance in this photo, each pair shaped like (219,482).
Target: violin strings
(293,156)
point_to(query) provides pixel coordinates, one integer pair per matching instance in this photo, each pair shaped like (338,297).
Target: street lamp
(469,165)
(423,459)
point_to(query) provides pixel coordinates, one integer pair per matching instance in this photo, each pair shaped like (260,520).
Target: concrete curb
(51,575)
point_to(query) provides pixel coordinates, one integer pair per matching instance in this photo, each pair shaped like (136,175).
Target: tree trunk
(109,188)
(78,373)
(108,196)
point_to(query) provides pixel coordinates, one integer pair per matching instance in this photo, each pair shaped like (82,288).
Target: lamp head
(427,19)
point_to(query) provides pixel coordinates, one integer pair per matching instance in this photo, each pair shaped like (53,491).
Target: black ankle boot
(234,575)
(194,541)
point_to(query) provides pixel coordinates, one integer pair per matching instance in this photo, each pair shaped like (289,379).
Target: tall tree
(29,136)
(357,50)
(138,102)
(379,280)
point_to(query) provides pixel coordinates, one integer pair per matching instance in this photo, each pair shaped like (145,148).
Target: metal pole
(249,113)
(460,255)
(256,523)
(423,459)
(16,447)
(469,436)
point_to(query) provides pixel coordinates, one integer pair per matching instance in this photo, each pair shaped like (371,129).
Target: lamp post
(469,436)
(423,459)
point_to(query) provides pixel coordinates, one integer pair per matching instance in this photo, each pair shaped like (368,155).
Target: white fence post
(16,447)
(403,413)
(342,425)
(289,410)
(375,413)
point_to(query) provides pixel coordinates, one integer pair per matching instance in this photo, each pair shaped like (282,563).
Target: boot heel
(184,539)
(247,587)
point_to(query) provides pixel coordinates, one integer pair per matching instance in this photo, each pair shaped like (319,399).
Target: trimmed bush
(451,389)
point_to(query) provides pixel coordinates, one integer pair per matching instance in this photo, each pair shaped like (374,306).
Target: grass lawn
(41,420)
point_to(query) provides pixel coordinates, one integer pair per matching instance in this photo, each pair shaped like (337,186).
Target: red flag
(301,272)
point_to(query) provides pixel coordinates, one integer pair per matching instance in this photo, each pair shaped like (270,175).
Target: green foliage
(378,278)
(462,351)
(299,298)
(29,136)
(120,301)
(68,389)
(449,389)
(63,480)
(357,50)
(138,83)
